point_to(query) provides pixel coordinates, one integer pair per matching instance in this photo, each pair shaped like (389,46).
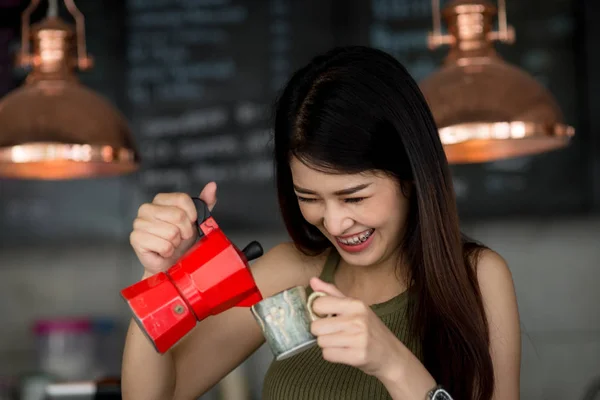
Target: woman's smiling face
(363,215)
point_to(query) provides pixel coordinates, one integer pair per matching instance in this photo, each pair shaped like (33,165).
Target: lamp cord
(52,8)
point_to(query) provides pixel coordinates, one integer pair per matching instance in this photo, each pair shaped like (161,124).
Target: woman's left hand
(354,335)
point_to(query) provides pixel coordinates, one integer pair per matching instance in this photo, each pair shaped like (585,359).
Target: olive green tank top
(307,376)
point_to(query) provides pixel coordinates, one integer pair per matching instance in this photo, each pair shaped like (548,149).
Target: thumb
(209,195)
(320,286)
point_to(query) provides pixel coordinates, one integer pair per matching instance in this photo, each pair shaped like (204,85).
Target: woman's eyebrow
(341,192)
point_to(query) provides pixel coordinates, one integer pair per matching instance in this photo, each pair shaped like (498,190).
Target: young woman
(366,194)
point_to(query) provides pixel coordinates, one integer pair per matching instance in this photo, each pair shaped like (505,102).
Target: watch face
(441,394)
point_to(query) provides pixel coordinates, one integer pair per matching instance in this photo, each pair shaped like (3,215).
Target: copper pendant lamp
(53,127)
(485,108)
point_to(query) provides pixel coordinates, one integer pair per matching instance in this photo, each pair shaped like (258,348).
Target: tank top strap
(331,263)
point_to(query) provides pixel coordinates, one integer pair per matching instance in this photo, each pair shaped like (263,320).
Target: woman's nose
(336,221)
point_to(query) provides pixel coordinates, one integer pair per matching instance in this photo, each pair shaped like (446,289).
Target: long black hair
(356,109)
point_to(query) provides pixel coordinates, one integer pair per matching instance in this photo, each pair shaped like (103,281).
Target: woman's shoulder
(493,272)
(483,259)
(285,265)
(490,265)
(288,255)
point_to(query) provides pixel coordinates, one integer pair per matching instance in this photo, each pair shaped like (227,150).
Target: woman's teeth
(357,239)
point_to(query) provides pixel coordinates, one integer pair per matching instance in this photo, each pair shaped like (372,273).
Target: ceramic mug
(285,320)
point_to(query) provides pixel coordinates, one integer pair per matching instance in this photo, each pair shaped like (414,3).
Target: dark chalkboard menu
(203,75)
(197,79)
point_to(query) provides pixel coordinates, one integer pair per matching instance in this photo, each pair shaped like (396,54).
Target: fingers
(164,230)
(162,226)
(145,242)
(333,325)
(330,305)
(340,341)
(178,200)
(209,195)
(165,221)
(320,286)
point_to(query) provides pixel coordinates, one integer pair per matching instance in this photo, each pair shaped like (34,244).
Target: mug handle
(313,296)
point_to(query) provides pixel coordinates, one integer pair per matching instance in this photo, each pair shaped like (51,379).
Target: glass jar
(65,347)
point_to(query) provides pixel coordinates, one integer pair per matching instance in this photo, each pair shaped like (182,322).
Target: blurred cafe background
(184,89)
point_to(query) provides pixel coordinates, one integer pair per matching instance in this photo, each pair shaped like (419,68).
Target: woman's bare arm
(217,345)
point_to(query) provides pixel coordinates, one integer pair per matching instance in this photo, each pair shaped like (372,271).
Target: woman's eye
(354,199)
(306,199)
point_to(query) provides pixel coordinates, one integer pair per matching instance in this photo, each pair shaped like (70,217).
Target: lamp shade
(485,108)
(61,130)
(53,127)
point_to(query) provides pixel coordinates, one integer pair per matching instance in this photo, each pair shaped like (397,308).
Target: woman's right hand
(165,229)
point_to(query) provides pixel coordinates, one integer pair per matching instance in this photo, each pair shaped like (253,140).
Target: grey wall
(555,265)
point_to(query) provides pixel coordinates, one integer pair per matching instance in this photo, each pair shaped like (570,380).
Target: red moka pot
(212,277)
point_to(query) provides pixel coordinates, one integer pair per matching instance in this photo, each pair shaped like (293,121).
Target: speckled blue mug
(285,320)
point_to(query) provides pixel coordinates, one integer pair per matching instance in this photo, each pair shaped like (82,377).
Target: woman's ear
(407,188)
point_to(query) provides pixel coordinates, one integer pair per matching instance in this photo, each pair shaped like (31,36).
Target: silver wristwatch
(438,393)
